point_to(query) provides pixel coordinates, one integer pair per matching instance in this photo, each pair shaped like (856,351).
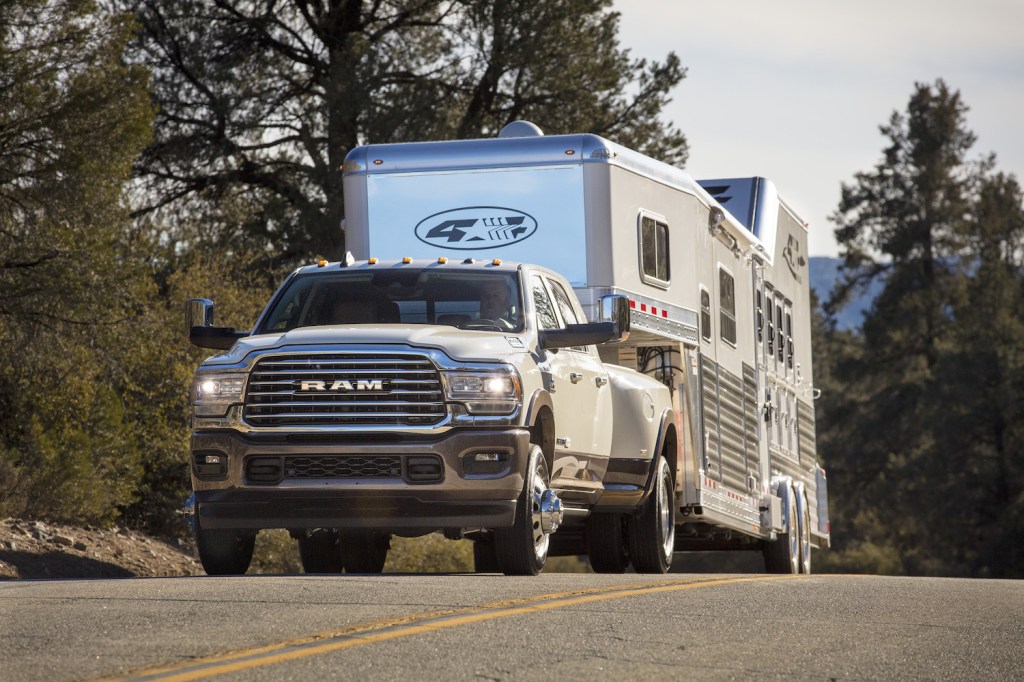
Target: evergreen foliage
(260,100)
(920,423)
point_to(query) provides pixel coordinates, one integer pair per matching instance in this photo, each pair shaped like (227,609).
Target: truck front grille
(379,466)
(344,389)
(272,469)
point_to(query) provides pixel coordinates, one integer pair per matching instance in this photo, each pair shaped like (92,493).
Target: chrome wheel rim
(666,523)
(538,485)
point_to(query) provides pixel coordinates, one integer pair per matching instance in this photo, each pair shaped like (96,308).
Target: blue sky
(794,90)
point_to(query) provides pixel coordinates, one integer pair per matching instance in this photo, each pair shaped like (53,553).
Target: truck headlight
(213,393)
(496,392)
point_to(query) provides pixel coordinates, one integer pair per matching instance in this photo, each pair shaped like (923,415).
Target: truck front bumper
(235,494)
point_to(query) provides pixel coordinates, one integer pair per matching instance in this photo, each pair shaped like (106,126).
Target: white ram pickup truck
(381,398)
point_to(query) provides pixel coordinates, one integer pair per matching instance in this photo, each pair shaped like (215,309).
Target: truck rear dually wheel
(606,543)
(523,548)
(320,551)
(652,529)
(364,551)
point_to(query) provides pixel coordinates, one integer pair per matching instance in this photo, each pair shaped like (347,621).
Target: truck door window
(727,306)
(564,304)
(546,318)
(654,265)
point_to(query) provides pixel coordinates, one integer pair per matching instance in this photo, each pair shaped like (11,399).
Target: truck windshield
(468,300)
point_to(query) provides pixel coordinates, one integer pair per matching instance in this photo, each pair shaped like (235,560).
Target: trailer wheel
(225,551)
(652,530)
(485,558)
(320,551)
(606,543)
(364,551)
(523,548)
(805,535)
(783,555)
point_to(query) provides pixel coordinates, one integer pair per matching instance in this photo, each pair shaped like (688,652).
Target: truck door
(580,392)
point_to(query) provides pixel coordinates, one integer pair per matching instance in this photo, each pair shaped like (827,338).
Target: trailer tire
(364,551)
(606,543)
(320,551)
(485,558)
(783,554)
(805,534)
(522,549)
(652,529)
(225,551)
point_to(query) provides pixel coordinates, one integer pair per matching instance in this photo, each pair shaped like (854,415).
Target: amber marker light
(442,260)
(496,261)
(372,261)
(406,260)
(321,263)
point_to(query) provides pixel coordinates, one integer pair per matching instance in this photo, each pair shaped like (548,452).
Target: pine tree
(72,118)
(260,100)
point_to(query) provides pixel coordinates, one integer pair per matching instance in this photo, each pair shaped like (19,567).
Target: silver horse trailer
(717,277)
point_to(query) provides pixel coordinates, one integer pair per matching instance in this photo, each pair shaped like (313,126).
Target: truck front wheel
(652,529)
(523,548)
(225,551)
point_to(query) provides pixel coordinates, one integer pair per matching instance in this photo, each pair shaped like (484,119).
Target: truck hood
(460,345)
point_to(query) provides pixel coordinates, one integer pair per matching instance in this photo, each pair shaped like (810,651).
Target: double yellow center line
(397,628)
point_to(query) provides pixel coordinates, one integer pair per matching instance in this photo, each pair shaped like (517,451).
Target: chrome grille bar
(406,392)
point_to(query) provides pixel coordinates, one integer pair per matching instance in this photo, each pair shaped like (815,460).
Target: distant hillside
(824,273)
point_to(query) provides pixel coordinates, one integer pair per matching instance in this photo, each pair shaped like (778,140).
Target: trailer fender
(782,490)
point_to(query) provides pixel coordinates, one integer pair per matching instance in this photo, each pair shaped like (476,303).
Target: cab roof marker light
(371,261)
(406,260)
(442,260)
(496,261)
(321,263)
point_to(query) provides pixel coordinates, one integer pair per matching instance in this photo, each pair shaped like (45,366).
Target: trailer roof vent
(521,129)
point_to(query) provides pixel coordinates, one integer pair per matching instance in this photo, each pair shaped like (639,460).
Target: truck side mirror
(615,309)
(200,330)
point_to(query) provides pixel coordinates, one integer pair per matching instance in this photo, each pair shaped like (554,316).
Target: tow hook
(550,512)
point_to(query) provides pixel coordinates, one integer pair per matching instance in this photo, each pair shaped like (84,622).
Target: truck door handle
(575,377)
(600,381)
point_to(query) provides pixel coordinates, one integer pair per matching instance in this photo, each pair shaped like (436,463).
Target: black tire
(364,551)
(523,548)
(320,551)
(225,551)
(652,529)
(485,558)
(783,555)
(606,543)
(804,516)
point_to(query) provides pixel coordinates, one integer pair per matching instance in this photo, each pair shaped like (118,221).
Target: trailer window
(789,339)
(654,266)
(770,336)
(781,340)
(727,306)
(705,315)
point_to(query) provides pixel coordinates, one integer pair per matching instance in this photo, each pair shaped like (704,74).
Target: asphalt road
(556,626)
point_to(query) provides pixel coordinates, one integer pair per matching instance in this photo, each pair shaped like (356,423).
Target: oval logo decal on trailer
(476,227)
